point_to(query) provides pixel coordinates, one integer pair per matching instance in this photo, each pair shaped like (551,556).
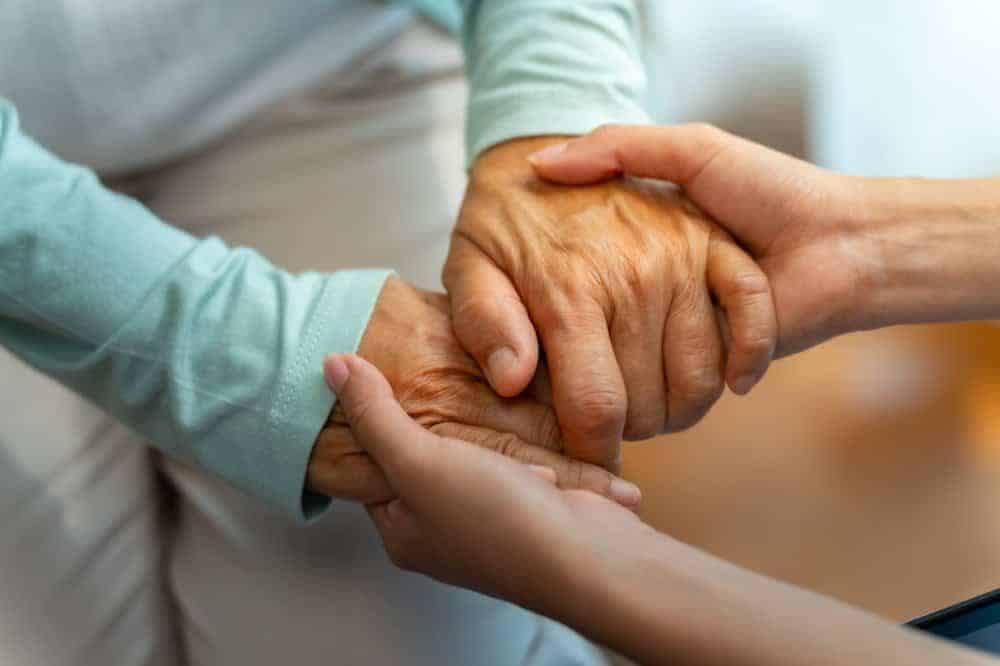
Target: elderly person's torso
(327,134)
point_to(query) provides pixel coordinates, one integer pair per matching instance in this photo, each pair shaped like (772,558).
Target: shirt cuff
(493,121)
(304,401)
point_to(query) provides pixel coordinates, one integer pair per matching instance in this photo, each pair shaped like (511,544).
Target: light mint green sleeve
(540,67)
(210,352)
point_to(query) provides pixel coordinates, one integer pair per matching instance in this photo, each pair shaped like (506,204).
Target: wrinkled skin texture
(470,517)
(798,221)
(410,340)
(616,282)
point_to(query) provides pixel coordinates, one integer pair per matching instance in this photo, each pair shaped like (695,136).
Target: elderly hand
(618,279)
(410,340)
(841,253)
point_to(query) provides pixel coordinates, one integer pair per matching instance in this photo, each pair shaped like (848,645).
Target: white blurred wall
(876,87)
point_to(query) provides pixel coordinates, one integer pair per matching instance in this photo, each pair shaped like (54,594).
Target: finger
(400,532)
(692,349)
(546,474)
(339,468)
(587,385)
(744,293)
(638,342)
(378,422)
(569,473)
(489,319)
(530,420)
(678,153)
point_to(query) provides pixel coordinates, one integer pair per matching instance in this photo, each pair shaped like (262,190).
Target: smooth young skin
(470,517)
(841,253)
(617,282)
(410,340)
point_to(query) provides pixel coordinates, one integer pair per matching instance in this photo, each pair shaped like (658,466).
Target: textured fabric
(81,579)
(210,352)
(550,67)
(251,586)
(124,85)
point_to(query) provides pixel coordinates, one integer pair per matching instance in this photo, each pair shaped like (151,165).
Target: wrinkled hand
(618,279)
(410,340)
(795,219)
(470,517)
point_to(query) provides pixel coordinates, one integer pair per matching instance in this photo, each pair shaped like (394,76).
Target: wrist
(508,161)
(930,248)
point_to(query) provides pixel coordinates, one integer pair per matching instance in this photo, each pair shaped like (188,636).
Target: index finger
(378,422)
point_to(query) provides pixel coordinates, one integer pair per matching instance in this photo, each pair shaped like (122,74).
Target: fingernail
(500,364)
(336,371)
(743,384)
(547,154)
(625,492)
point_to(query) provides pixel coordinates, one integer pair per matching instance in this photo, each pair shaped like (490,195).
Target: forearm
(210,352)
(667,603)
(932,250)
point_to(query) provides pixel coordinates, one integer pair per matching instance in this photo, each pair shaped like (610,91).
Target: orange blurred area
(867,469)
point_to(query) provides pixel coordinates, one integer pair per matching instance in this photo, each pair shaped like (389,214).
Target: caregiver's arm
(472,518)
(210,352)
(842,253)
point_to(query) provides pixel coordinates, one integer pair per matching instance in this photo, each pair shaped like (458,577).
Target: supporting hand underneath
(471,517)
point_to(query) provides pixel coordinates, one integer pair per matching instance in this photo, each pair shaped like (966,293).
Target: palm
(789,214)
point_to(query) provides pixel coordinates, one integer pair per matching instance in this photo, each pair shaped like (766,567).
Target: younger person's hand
(470,516)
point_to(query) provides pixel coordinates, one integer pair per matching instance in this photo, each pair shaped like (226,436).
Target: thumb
(676,153)
(489,319)
(378,422)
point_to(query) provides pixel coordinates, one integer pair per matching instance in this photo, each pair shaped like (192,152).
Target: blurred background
(869,468)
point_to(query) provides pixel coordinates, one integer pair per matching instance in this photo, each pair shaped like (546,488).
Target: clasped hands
(575,317)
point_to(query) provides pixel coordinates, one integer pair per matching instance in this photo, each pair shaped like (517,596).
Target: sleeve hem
(492,121)
(340,318)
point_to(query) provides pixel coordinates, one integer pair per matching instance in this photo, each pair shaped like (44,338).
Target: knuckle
(694,396)
(642,277)
(600,412)
(608,131)
(473,308)
(645,425)
(706,132)
(749,286)
(755,343)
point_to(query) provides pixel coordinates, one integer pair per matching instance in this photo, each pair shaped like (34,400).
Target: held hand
(795,219)
(618,279)
(410,339)
(471,517)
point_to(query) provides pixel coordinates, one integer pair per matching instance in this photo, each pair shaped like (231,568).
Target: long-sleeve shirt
(210,351)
